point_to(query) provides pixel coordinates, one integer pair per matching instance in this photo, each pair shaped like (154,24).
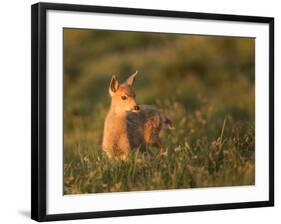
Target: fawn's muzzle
(136,108)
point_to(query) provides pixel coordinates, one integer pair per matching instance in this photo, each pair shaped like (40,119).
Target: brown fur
(126,128)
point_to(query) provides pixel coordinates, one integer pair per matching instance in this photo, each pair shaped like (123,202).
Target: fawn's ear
(113,86)
(131,79)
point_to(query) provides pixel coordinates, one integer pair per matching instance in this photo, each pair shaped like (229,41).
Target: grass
(204,84)
(193,159)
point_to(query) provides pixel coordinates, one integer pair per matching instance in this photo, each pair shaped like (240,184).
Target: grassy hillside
(204,84)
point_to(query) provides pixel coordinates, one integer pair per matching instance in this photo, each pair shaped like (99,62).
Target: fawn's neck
(116,121)
(115,111)
(117,116)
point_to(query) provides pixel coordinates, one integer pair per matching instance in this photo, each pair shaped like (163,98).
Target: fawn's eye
(123,97)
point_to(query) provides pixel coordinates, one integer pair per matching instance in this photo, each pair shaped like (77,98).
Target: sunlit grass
(193,159)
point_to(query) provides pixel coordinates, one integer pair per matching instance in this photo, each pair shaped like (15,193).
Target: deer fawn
(129,125)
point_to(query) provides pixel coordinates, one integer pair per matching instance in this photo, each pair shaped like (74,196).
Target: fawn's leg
(108,152)
(122,154)
(123,148)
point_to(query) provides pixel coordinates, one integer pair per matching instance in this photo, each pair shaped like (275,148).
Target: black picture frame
(38,108)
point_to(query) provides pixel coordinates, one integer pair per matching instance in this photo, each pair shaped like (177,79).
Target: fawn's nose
(136,108)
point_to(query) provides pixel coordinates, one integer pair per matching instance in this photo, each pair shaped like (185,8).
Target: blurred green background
(206,84)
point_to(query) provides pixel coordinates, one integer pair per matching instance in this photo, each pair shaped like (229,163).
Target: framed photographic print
(139,111)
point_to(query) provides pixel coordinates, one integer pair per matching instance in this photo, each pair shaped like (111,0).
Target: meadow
(205,84)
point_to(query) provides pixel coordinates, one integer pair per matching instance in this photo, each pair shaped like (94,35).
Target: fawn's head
(123,98)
